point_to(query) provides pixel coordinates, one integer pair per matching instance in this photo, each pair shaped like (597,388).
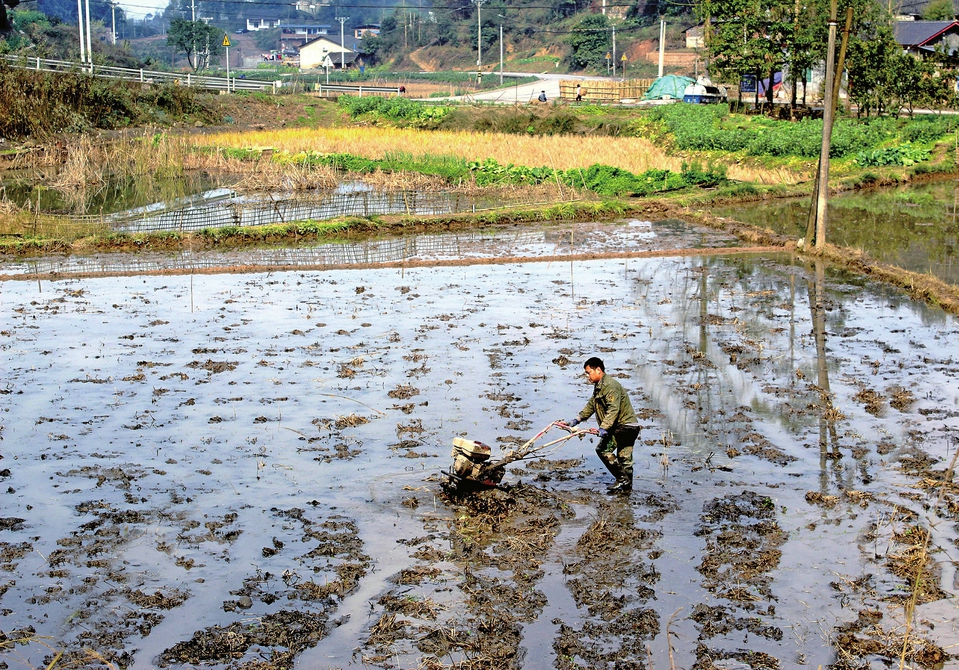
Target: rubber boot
(612,464)
(624,483)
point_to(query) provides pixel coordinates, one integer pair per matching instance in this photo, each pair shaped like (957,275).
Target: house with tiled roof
(297,34)
(255,23)
(314,53)
(924,37)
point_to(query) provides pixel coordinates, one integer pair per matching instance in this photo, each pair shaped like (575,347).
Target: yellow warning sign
(226,40)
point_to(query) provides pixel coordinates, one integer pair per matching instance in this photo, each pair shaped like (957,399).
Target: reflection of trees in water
(914,227)
(728,343)
(103,197)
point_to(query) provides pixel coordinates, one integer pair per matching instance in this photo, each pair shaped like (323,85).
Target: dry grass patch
(560,152)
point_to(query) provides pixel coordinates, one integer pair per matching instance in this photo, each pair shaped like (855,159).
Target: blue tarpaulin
(764,84)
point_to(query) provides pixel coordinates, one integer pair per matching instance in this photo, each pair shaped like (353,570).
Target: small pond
(195,201)
(915,227)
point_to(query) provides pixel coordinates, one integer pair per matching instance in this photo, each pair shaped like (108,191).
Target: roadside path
(521,94)
(422,64)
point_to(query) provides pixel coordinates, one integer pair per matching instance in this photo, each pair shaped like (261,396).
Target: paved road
(521,93)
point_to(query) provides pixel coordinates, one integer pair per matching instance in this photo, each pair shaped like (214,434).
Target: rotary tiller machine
(473,471)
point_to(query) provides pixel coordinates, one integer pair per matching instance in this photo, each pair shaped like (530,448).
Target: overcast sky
(137,9)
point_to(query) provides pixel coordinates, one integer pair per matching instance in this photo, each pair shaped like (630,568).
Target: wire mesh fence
(368,252)
(229,209)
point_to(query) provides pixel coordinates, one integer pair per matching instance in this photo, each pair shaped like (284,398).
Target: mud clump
(610,579)
(403,391)
(872,400)
(743,543)
(213,367)
(283,635)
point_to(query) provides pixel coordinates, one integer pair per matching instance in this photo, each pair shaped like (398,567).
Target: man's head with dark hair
(594,362)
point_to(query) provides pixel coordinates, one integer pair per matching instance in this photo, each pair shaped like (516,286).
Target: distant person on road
(542,96)
(618,425)
(579,93)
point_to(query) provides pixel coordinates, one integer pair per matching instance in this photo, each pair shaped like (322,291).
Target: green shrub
(928,128)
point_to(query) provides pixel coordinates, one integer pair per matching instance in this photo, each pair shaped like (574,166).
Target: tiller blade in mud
(473,471)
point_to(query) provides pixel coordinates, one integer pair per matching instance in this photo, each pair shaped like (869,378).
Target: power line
(266,3)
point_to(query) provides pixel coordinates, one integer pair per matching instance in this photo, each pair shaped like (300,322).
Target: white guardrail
(228,84)
(326,89)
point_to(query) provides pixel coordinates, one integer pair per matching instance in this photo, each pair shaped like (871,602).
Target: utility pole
(193,30)
(83,46)
(816,223)
(662,43)
(342,20)
(614,52)
(89,43)
(817,210)
(501,55)
(113,11)
(479,33)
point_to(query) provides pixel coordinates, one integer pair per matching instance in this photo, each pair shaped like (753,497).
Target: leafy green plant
(904,154)
(395,110)
(713,128)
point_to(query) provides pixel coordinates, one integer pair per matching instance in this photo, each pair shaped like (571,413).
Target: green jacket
(611,405)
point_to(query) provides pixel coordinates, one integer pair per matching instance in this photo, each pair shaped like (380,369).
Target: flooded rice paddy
(196,200)
(244,470)
(499,243)
(915,227)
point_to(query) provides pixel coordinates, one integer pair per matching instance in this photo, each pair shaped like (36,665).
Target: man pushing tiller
(473,470)
(618,425)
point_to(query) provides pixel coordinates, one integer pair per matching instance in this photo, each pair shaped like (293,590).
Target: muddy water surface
(244,470)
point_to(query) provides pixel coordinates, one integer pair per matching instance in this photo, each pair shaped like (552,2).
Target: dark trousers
(616,452)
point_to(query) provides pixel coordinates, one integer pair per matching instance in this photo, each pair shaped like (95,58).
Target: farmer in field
(542,96)
(579,93)
(618,425)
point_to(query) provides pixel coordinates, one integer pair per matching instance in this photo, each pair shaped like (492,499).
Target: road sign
(226,40)
(623,57)
(328,62)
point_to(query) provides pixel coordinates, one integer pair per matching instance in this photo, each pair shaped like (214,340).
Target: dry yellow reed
(563,152)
